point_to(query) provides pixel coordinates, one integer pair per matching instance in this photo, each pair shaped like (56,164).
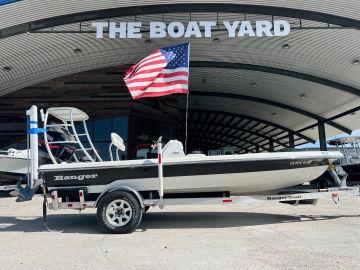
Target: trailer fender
(124,188)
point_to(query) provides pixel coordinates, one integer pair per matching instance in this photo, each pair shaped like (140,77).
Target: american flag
(164,72)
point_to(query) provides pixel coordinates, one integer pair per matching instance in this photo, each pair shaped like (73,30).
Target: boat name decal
(301,162)
(287,197)
(79,177)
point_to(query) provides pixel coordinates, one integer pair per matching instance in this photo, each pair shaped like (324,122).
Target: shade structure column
(322,136)
(291,140)
(271,146)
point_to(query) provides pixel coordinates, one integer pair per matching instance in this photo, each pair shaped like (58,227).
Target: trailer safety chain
(45,206)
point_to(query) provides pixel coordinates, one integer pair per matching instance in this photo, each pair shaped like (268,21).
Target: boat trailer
(8,188)
(53,202)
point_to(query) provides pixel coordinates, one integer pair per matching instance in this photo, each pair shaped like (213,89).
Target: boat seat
(173,148)
(118,142)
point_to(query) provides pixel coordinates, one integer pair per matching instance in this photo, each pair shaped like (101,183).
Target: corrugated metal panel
(48,56)
(39,9)
(323,53)
(328,54)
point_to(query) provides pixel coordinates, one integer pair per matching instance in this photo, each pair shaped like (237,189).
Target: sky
(317,145)
(3,2)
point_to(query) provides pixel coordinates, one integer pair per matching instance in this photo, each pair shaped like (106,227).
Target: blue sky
(317,145)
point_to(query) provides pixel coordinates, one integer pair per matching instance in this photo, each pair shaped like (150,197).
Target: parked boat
(194,173)
(13,166)
(350,148)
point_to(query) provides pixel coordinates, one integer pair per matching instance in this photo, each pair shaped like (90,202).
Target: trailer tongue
(123,190)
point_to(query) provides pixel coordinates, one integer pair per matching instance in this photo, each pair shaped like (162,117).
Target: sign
(196,29)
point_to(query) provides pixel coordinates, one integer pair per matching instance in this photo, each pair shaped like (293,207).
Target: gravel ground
(270,236)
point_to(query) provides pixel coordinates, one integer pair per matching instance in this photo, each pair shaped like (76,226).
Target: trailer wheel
(119,212)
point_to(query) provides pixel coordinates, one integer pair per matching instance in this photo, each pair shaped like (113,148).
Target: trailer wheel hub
(118,213)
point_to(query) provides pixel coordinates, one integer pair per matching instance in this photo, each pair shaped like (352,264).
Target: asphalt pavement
(267,236)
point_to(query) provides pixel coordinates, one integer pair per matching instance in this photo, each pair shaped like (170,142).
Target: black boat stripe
(104,176)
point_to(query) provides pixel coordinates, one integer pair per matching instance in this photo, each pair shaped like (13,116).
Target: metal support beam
(291,140)
(235,128)
(278,71)
(271,103)
(322,136)
(352,111)
(258,120)
(223,135)
(271,146)
(219,142)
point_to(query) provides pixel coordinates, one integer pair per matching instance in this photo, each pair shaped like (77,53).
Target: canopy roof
(66,114)
(287,84)
(345,140)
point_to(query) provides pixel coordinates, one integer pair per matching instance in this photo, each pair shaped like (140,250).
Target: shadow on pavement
(86,223)
(5,194)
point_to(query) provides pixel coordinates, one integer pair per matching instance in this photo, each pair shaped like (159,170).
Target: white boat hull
(235,174)
(236,184)
(14,165)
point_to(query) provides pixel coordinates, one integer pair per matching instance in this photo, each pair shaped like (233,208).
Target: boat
(13,166)
(122,190)
(236,174)
(350,148)
(184,174)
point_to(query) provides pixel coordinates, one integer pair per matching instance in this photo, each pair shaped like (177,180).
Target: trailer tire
(119,212)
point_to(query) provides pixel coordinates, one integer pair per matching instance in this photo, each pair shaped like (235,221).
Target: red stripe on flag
(155,70)
(133,69)
(161,75)
(158,69)
(156,62)
(164,84)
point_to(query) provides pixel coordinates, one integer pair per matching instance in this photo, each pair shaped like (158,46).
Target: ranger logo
(79,177)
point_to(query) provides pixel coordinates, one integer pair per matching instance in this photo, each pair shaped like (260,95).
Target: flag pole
(186,121)
(187,103)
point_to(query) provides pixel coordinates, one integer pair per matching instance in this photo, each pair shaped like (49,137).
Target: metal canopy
(66,114)
(218,128)
(283,89)
(269,102)
(346,140)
